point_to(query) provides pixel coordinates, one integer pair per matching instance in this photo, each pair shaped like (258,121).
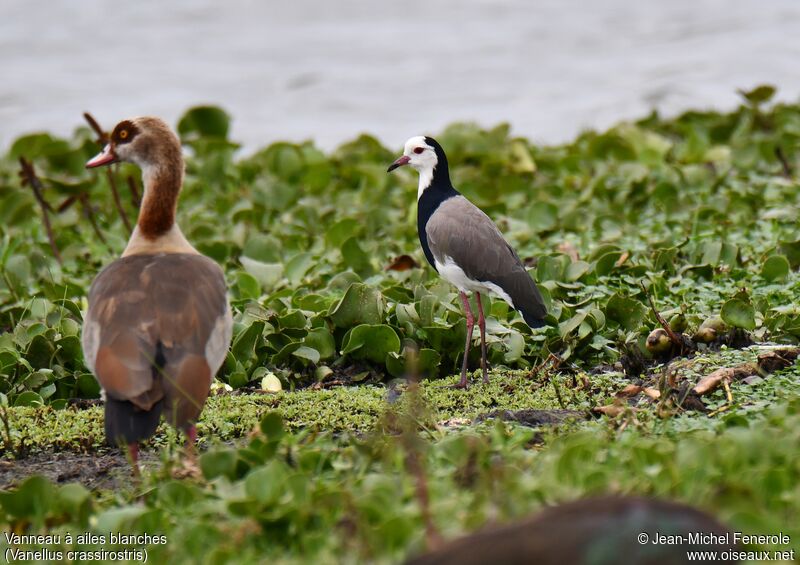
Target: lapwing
(159,324)
(465,246)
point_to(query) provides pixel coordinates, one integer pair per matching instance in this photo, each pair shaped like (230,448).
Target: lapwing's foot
(462,384)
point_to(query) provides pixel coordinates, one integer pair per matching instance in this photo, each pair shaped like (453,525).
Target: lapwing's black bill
(465,247)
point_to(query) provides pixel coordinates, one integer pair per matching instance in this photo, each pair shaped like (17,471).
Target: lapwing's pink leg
(470,325)
(191,436)
(482,326)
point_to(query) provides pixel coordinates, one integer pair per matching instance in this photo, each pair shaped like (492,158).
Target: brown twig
(83,198)
(69,201)
(29,177)
(411,441)
(136,200)
(673,337)
(102,140)
(787,168)
(117,201)
(416,467)
(102,136)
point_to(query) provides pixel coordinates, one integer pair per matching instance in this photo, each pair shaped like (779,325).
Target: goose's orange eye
(418,150)
(123,134)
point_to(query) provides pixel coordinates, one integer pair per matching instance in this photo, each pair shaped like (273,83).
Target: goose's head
(145,141)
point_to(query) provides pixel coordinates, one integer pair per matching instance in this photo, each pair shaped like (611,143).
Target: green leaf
(341,231)
(775,268)
(307,353)
(244,343)
(542,216)
(205,121)
(759,95)
(626,311)
(29,398)
(607,262)
(576,270)
(372,342)
(361,304)
(247,285)
(266,484)
(31,501)
(739,314)
(569,326)
(218,463)
(298,266)
(791,249)
(271,426)
(355,257)
(263,248)
(321,340)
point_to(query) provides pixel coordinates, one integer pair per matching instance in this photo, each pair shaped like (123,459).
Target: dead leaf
(628,391)
(653,393)
(711,381)
(402,263)
(611,410)
(778,359)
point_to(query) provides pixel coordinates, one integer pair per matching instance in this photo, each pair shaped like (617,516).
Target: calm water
(329,70)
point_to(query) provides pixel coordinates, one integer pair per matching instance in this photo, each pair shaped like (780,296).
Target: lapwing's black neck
(438,190)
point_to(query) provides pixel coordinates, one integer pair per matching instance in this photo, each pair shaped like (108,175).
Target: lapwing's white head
(423,154)
(146,141)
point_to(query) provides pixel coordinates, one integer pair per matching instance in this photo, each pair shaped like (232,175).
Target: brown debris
(778,359)
(711,381)
(629,391)
(611,410)
(653,393)
(534,418)
(568,249)
(402,263)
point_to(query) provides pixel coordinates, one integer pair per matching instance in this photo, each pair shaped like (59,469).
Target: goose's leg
(470,325)
(482,326)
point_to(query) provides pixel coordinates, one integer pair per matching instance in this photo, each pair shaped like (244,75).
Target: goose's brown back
(156,331)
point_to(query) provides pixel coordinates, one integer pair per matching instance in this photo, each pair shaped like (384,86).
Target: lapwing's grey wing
(158,327)
(461,231)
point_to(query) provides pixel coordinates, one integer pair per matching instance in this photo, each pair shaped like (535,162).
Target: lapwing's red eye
(418,150)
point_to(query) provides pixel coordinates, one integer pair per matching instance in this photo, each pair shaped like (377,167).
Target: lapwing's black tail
(533,319)
(127,423)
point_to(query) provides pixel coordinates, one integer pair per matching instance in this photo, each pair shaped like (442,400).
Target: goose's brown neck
(162,186)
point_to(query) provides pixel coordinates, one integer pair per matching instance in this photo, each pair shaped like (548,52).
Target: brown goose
(465,247)
(606,530)
(159,324)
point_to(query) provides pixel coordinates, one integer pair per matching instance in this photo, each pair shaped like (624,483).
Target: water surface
(330,70)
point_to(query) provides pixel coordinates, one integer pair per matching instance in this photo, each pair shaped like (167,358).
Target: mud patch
(535,418)
(108,470)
